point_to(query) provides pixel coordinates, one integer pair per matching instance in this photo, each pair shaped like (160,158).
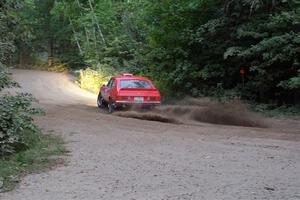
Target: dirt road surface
(121,158)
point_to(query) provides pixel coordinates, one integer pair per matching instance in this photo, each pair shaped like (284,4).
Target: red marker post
(242,72)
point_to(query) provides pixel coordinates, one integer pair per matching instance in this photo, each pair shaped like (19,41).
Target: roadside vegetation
(269,110)
(41,153)
(23,148)
(221,49)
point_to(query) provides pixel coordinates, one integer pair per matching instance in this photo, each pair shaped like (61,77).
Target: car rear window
(135,84)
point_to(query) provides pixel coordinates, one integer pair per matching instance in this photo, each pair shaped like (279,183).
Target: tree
(189,46)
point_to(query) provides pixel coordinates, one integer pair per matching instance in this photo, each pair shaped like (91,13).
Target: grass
(270,110)
(42,153)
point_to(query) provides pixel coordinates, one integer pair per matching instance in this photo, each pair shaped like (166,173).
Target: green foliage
(55,67)
(7,21)
(191,47)
(35,158)
(269,50)
(292,83)
(15,118)
(92,80)
(15,111)
(204,57)
(271,110)
(5,80)
(23,149)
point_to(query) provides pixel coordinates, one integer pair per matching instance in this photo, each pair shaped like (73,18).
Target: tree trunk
(75,36)
(96,22)
(50,52)
(85,29)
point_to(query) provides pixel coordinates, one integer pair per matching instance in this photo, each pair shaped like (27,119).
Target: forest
(223,49)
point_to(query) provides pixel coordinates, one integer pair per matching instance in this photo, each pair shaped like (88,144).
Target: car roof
(130,77)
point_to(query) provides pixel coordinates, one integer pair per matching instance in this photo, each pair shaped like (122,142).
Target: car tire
(111,106)
(100,102)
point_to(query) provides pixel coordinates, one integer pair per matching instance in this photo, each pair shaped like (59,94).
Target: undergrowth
(42,153)
(270,110)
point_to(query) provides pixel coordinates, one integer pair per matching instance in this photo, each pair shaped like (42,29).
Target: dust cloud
(191,110)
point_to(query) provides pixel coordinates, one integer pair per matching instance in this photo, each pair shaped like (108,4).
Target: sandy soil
(120,158)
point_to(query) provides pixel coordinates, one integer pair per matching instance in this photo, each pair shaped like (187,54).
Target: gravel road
(116,158)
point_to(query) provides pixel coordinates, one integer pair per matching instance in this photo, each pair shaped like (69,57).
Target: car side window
(112,84)
(109,83)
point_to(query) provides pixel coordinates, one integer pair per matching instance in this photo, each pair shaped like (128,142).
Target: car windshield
(135,84)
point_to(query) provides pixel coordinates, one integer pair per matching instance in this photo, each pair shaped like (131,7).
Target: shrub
(59,68)
(15,117)
(5,80)
(56,67)
(91,80)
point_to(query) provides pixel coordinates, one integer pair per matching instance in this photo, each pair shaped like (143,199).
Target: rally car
(127,90)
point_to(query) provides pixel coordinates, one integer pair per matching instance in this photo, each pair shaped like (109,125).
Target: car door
(108,89)
(104,91)
(112,90)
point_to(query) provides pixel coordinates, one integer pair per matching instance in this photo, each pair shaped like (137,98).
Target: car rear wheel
(111,106)
(100,102)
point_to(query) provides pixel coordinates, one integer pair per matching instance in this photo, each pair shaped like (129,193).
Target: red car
(127,90)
